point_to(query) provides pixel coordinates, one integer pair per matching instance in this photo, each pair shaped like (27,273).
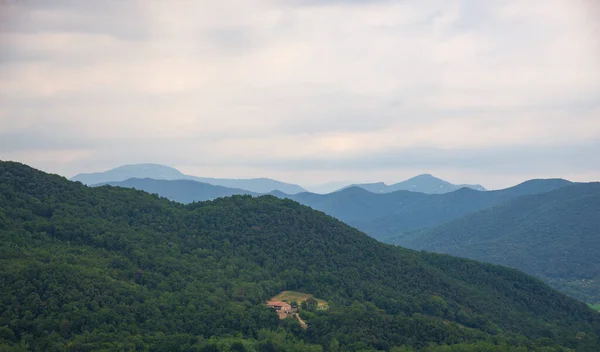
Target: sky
(491,92)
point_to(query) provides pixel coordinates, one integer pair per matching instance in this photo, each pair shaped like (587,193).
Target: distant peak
(374,184)
(144,166)
(465,189)
(423,176)
(545,180)
(354,189)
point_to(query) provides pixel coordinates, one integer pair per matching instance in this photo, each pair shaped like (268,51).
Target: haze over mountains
(161,172)
(108,268)
(380,215)
(388,214)
(424,183)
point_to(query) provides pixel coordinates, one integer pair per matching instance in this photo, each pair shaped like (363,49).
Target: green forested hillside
(554,236)
(89,269)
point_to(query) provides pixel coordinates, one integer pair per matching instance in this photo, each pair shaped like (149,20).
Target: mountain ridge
(162,172)
(379,215)
(389,214)
(424,183)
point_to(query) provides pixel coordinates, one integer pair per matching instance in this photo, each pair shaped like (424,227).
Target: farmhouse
(282,308)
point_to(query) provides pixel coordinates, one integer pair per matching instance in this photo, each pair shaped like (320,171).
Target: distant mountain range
(382,216)
(161,172)
(554,236)
(327,187)
(392,214)
(425,183)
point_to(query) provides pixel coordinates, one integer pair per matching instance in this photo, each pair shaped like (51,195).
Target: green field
(595,306)
(291,296)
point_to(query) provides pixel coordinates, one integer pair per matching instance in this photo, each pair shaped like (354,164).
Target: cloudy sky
(306,91)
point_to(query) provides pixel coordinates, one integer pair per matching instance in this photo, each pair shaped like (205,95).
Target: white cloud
(255,82)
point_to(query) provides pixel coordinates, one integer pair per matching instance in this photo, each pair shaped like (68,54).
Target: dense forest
(111,269)
(554,236)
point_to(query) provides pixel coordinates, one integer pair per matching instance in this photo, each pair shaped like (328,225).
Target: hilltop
(124,172)
(116,268)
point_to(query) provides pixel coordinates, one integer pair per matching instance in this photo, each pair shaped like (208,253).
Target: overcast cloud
(490,92)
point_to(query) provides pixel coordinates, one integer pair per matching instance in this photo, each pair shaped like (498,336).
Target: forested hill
(90,269)
(554,236)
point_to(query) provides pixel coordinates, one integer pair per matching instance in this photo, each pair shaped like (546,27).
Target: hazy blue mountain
(392,214)
(122,173)
(257,185)
(327,187)
(183,191)
(425,183)
(161,172)
(554,236)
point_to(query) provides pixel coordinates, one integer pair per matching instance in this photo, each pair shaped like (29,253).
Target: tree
(311,304)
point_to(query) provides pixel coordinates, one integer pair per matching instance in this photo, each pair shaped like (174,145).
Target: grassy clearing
(291,296)
(595,306)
